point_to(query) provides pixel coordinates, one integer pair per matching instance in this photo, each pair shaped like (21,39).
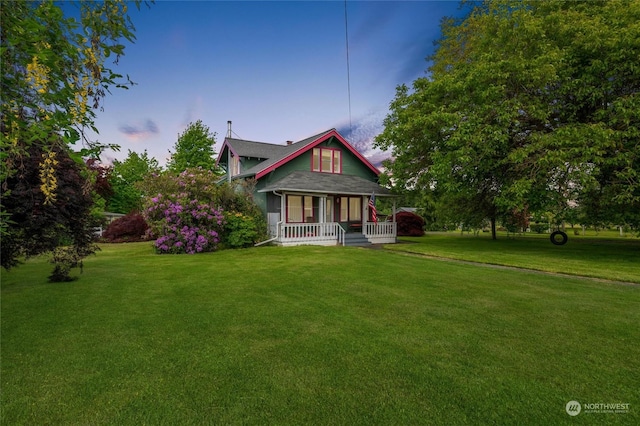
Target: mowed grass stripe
(610,259)
(310,335)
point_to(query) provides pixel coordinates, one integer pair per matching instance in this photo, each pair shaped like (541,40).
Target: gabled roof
(326,183)
(277,155)
(244,148)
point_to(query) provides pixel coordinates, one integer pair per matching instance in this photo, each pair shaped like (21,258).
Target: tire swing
(559,238)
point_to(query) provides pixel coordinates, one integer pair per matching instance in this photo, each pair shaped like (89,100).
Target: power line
(346,36)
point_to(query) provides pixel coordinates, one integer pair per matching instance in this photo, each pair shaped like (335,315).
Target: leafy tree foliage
(125,176)
(102,178)
(194,149)
(54,75)
(528,105)
(32,212)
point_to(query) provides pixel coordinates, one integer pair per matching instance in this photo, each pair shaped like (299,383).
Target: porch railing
(381,231)
(312,233)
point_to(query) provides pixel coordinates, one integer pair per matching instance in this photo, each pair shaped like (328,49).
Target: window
(329,210)
(350,209)
(300,209)
(294,208)
(326,160)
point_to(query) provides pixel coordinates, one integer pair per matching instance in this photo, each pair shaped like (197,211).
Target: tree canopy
(125,175)
(526,106)
(193,149)
(54,75)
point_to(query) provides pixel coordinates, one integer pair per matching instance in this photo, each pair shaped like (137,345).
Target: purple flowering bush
(182,216)
(185,213)
(183,225)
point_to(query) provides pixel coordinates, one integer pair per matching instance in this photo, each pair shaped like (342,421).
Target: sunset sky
(278,70)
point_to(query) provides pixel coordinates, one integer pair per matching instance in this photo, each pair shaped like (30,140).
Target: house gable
(332,136)
(260,160)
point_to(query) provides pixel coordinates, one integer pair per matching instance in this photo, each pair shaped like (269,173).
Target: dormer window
(327,160)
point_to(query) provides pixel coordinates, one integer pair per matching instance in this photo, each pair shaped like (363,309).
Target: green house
(319,190)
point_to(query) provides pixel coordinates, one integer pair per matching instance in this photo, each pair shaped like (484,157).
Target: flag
(372,208)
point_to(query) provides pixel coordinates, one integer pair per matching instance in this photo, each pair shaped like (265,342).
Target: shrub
(539,228)
(185,212)
(129,228)
(183,225)
(240,230)
(409,224)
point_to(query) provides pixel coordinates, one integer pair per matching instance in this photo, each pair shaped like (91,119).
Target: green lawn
(312,335)
(606,258)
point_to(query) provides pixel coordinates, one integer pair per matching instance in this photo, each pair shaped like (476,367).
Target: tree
(125,176)
(54,75)
(523,110)
(102,178)
(193,149)
(33,212)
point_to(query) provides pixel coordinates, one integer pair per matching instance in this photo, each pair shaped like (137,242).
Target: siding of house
(247,163)
(351,165)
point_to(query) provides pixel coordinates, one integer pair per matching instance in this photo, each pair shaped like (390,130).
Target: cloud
(361,134)
(140,131)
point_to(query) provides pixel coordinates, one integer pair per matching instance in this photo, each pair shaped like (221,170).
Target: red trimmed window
(326,160)
(300,209)
(350,209)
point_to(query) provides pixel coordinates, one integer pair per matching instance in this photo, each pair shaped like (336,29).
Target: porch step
(356,239)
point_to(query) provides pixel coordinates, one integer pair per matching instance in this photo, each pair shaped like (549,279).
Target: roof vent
(289,142)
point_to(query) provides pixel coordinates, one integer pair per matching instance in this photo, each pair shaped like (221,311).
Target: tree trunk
(493,228)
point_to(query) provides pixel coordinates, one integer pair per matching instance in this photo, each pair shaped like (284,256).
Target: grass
(312,335)
(615,259)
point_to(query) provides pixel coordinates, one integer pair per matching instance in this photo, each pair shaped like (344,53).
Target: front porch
(307,208)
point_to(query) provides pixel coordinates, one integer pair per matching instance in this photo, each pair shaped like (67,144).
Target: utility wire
(346,36)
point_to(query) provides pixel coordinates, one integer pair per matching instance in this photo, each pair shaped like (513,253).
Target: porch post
(283,208)
(322,209)
(394,209)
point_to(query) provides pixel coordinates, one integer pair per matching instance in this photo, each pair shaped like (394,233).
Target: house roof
(244,148)
(326,183)
(276,155)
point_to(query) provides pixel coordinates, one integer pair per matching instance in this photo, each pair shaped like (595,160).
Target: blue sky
(277,69)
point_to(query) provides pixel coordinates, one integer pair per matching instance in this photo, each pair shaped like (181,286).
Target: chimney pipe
(229,128)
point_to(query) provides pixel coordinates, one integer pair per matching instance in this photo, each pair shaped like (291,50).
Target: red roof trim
(307,147)
(227,145)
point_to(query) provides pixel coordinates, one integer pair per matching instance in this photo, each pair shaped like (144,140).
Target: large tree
(125,176)
(194,148)
(54,75)
(527,105)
